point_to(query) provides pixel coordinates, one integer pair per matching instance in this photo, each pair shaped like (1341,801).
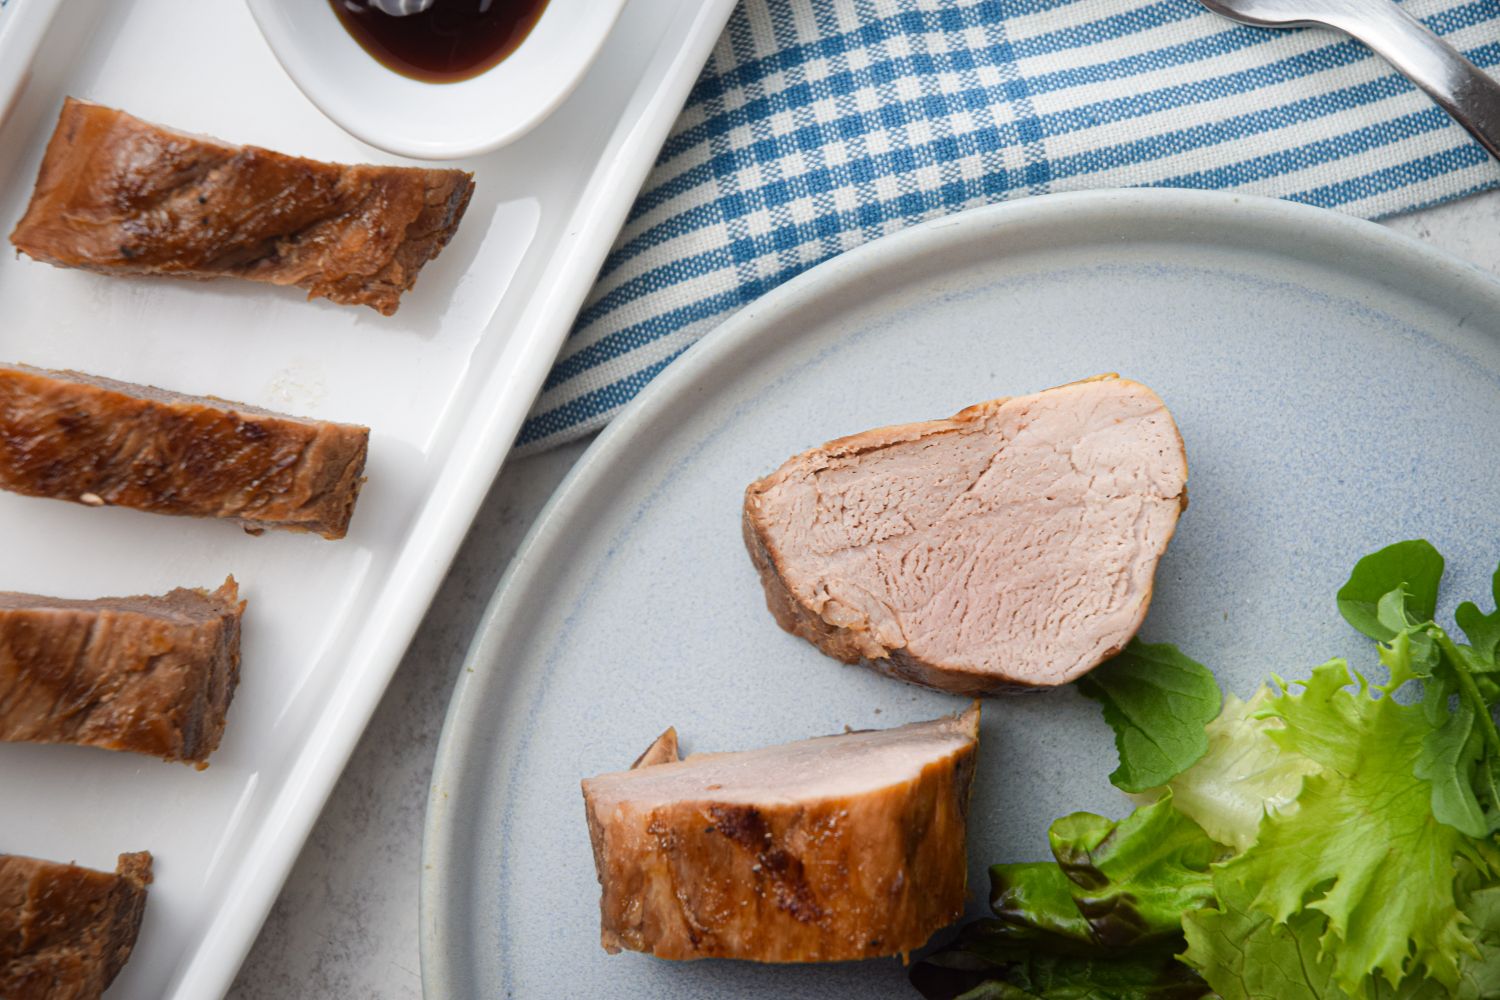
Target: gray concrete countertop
(346,923)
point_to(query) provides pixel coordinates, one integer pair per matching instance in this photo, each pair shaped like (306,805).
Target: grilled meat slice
(829,849)
(66,931)
(96,441)
(152,675)
(119,195)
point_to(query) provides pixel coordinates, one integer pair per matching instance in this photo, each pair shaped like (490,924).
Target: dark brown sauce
(451,40)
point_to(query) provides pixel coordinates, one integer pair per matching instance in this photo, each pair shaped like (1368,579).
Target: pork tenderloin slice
(119,195)
(97,441)
(150,675)
(1013,545)
(842,847)
(66,931)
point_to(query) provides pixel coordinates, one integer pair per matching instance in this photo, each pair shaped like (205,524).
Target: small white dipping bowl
(434,121)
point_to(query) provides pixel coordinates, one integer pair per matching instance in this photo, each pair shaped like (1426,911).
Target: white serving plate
(412,118)
(1337,387)
(444,385)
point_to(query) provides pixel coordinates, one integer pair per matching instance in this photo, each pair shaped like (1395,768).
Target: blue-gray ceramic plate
(1338,388)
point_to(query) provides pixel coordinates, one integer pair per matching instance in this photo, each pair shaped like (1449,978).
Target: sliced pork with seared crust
(1013,545)
(829,849)
(119,195)
(96,441)
(151,675)
(66,931)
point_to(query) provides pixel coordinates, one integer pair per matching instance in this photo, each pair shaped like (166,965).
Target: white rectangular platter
(444,386)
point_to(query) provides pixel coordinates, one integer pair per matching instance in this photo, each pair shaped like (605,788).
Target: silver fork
(1461,88)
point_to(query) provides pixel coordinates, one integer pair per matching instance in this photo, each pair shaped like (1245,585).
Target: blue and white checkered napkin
(819,125)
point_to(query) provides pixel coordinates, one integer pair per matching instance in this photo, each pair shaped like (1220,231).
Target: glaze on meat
(119,195)
(96,441)
(843,847)
(150,675)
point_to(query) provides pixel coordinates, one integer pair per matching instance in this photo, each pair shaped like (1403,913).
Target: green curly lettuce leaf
(1460,755)
(1479,977)
(1157,700)
(1243,775)
(1245,955)
(1362,829)
(1363,847)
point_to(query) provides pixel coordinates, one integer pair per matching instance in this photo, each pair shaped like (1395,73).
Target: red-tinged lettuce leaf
(986,963)
(1132,880)
(1116,884)
(1034,903)
(1103,923)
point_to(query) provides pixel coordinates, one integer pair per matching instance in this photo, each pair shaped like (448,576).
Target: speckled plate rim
(1288,230)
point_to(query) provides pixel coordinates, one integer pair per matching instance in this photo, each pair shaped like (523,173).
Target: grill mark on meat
(135,446)
(745,826)
(119,195)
